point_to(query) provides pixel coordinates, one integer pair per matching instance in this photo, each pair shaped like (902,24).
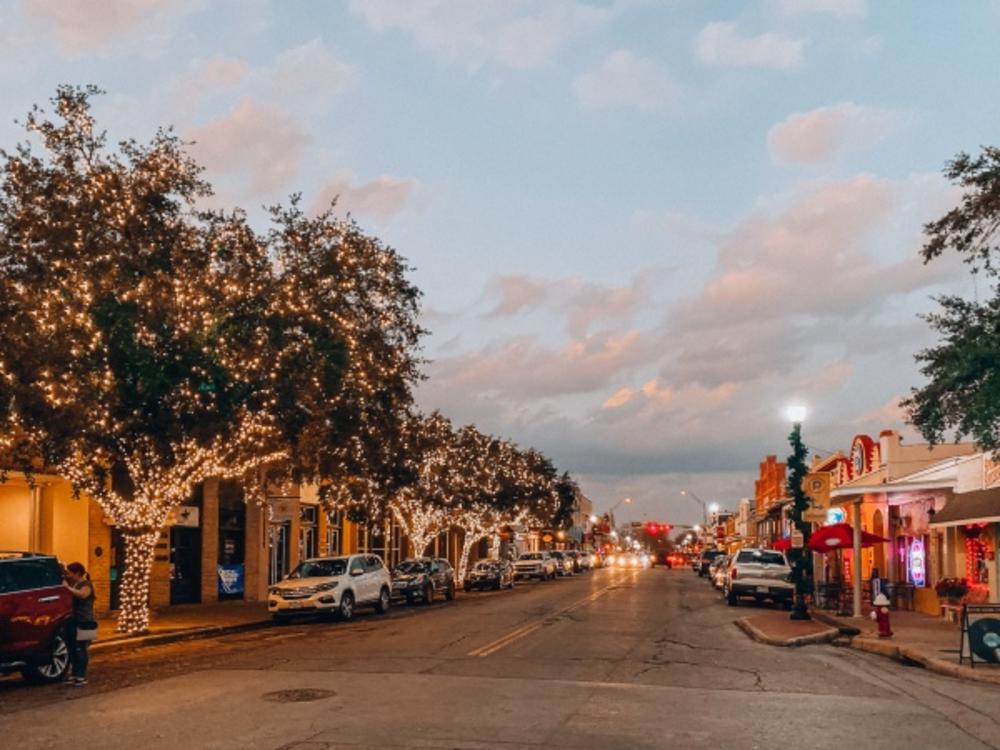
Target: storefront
(970,527)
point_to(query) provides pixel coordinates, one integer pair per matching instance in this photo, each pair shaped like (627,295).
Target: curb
(758,635)
(844,628)
(912,656)
(157,639)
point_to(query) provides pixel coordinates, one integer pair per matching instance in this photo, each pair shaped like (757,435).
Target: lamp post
(801,559)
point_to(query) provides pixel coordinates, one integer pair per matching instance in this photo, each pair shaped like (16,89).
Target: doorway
(278,553)
(185,565)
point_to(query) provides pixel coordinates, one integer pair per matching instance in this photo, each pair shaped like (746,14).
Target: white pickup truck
(759,573)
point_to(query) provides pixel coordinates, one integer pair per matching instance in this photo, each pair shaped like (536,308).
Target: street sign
(815,515)
(798,541)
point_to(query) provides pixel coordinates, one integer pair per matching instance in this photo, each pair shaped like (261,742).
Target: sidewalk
(776,629)
(928,641)
(185,621)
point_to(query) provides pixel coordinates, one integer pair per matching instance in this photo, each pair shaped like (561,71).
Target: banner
(230,578)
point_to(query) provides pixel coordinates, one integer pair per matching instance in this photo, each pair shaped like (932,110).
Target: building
(215,547)
(769,520)
(893,490)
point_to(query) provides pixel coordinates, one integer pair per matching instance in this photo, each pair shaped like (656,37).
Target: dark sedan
(490,574)
(423,578)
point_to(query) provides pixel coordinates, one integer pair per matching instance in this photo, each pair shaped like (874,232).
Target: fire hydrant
(881,615)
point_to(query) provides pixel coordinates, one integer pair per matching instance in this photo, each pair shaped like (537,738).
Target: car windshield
(411,566)
(531,556)
(761,557)
(487,565)
(319,569)
(556,554)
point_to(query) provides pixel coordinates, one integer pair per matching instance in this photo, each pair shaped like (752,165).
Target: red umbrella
(840,536)
(782,545)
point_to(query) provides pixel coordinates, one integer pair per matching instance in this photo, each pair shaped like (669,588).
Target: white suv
(540,565)
(760,573)
(332,585)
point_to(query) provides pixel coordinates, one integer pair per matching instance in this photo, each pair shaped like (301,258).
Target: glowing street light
(796,413)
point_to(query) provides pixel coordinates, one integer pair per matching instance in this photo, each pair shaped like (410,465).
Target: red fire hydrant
(881,615)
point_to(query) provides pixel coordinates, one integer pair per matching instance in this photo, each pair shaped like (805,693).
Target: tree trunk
(468,541)
(420,542)
(133,615)
(495,545)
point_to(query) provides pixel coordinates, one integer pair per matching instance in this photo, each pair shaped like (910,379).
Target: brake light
(732,573)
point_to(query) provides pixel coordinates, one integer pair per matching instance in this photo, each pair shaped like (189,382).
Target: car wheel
(497,586)
(787,605)
(731,599)
(346,608)
(428,594)
(449,593)
(382,605)
(55,668)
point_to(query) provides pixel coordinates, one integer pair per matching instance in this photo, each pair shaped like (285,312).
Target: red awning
(782,545)
(840,536)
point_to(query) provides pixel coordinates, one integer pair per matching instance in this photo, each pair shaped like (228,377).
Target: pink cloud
(260,147)
(381,198)
(819,135)
(81,26)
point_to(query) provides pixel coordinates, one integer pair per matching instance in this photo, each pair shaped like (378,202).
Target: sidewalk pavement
(930,642)
(184,621)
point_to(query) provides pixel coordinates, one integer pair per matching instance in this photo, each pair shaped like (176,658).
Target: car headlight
(274,590)
(329,586)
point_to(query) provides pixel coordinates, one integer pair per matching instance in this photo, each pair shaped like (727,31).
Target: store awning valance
(970,507)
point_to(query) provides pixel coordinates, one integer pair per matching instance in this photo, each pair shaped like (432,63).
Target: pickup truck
(763,574)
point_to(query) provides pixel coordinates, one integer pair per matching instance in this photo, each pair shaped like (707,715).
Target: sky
(641,228)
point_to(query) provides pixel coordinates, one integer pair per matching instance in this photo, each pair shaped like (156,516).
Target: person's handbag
(86,631)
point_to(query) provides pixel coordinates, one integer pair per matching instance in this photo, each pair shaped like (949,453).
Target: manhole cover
(298,695)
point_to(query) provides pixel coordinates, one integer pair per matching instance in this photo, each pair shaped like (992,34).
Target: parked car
(423,578)
(717,570)
(538,565)
(564,565)
(574,557)
(331,585)
(705,559)
(490,574)
(763,574)
(35,609)
(585,561)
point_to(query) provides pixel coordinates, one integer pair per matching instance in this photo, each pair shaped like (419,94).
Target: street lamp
(801,559)
(593,519)
(704,507)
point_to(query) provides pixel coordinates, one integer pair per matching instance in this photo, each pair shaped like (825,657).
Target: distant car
(585,561)
(763,574)
(538,565)
(676,560)
(35,611)
(423,578)
(490,574)
(627,560)
(717,570)
(705,559)
(575,557)
(331,585)
(564,564)
(660,557)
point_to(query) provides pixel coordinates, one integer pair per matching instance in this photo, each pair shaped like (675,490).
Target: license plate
(762,589)
(295,605)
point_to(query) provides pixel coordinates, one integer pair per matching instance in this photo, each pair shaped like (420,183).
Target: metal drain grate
(298,695)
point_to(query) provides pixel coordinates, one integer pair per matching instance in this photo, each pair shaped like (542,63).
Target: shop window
(232,541)
(977,556)
(308,531)
(334,532)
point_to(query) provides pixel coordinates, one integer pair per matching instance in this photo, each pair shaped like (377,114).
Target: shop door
(278,562)
(185,565)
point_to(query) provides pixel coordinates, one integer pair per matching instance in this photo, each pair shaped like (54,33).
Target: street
(610,659)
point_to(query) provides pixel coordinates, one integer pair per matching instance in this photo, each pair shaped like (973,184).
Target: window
(319,569)
(25,575)
(373,563)
(761,557)
(357,565)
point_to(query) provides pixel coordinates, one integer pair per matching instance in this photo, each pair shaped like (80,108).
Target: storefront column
(255,577)
(856,566)
(210,541)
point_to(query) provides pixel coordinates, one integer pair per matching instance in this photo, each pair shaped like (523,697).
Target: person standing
(84,625)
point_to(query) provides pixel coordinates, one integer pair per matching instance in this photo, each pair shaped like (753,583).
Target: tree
(962,392)
(801,558)
(146,345)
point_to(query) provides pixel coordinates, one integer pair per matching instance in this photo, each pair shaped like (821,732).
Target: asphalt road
(611,659)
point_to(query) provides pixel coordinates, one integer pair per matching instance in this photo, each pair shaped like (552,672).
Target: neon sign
(916,562)
(836,515)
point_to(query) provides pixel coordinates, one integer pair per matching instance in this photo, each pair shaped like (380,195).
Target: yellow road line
(529,628)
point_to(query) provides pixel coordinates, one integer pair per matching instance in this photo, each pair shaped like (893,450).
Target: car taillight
(732,573)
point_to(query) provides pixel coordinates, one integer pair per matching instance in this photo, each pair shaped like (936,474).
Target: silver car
(763,574)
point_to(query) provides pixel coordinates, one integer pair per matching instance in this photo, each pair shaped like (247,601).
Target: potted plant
(952,589)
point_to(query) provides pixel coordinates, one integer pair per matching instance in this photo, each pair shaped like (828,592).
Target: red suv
(35,610)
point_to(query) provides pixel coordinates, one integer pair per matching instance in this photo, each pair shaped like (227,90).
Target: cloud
(838,8)
(260,146)
(381,198)
(821,134)
(625,80)
(307,72)
(720,43)
(518,35)
(515,294)
(82,26)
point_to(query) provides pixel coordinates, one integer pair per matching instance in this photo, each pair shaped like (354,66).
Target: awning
(840,536)
(982,506)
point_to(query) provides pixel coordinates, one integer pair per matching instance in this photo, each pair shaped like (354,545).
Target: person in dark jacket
(82,589)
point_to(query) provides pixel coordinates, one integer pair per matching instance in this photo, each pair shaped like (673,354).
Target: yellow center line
(529,628)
